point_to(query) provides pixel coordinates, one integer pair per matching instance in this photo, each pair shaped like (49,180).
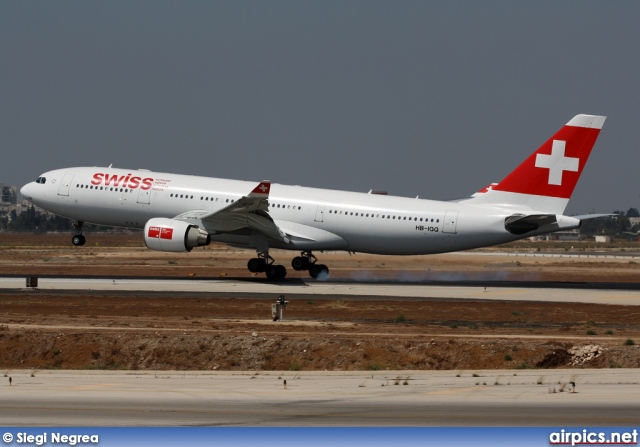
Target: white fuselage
(315,219)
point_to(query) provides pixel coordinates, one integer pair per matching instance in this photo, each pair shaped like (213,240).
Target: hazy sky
(435,99)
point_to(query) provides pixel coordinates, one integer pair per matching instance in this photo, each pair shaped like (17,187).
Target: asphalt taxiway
(390,398)
(525,291)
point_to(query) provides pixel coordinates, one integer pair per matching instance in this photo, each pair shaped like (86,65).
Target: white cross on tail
(557,163)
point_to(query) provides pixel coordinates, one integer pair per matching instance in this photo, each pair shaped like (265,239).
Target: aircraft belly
(306,237)
(470,232)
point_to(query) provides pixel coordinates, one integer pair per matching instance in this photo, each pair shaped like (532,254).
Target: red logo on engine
(154,232)
(122,181)
(160,233)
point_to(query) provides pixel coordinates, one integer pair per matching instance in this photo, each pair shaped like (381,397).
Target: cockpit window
(41,180)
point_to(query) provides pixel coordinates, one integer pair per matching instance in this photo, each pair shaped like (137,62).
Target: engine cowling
(163,234)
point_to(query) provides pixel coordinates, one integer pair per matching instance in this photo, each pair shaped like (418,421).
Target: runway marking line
(501,292)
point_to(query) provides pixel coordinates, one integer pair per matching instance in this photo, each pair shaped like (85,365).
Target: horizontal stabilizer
(593,216)
(521,224)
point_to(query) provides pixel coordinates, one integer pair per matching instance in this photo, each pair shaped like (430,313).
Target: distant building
(569,235)
(8,195)
(9,200)
(603,238)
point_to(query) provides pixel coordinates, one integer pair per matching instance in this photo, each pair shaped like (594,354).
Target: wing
(250,211)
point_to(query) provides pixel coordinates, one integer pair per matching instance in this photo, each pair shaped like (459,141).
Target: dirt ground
(71,330)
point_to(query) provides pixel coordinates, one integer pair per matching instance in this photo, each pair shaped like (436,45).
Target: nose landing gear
(78,239)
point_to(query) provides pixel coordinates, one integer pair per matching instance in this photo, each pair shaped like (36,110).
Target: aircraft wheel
(78,240)
(256,265)
(318,271)
(300,263)
(276,272)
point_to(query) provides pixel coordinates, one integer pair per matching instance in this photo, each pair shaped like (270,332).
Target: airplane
(181,212)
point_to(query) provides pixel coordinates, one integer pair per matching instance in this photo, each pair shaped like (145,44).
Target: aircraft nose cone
(25,190)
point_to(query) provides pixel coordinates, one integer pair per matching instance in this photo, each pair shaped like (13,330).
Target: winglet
(262,190)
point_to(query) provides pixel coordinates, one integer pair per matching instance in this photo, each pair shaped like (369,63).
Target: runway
(525,291)
(403,398)
(604,397)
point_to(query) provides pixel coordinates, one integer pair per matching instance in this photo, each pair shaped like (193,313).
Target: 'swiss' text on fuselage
(126,181)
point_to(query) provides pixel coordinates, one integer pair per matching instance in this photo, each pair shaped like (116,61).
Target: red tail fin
(546,180)
(554,169)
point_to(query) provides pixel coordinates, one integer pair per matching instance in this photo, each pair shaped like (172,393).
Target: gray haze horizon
(429,99)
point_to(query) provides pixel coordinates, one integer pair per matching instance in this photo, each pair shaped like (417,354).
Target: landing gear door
(450,222)
(63,190)
(320,214)
(144,196)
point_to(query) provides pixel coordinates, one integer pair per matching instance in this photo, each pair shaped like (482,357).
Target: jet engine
(163,234)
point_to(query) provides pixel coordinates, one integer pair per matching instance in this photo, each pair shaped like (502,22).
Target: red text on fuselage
(125,181)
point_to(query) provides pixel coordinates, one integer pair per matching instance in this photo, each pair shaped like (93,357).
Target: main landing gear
(78,239)
(265,263)
(307,261)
